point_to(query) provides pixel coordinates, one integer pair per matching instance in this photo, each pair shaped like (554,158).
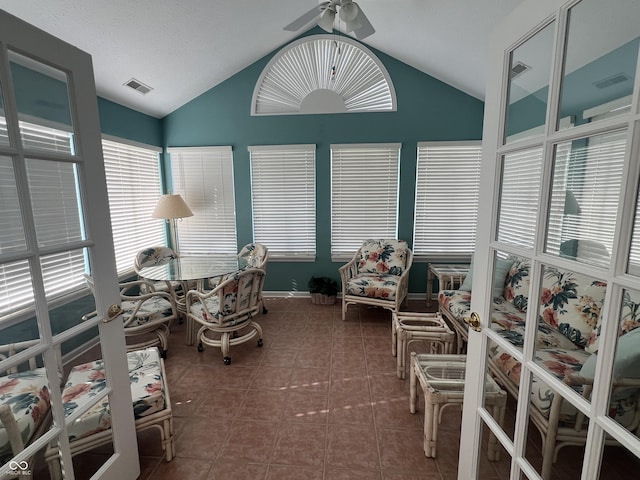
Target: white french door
(559,207)
(54,226)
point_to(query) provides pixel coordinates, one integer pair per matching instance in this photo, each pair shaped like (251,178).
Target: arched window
(323,74)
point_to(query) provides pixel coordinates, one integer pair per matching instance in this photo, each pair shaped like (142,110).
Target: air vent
(518,69)
(612,80)
(138,86)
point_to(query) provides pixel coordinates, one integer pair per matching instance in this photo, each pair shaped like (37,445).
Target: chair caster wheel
(200,347)
(264,311)
(260,343)
(227,360)
(164,354)
(235,334)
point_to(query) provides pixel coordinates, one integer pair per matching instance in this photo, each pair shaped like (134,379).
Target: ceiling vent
(518,69)
(612,80)
(138,86)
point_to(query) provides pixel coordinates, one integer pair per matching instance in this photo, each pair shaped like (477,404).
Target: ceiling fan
(325,13)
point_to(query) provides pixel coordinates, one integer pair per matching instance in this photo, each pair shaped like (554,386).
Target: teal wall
(428,110)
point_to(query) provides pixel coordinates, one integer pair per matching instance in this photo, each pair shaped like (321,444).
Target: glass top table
(194,267)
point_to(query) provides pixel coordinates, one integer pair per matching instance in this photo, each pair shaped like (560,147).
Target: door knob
(113,312)
(473,321)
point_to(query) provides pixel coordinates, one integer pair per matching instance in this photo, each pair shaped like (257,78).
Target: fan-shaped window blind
(323,74)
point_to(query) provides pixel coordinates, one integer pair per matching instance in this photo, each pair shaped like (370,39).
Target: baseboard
(281,294)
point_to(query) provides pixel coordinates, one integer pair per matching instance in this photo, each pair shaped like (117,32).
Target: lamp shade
(171,206)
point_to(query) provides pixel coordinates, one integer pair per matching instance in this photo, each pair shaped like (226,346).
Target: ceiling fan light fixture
(326,19)
(349,12)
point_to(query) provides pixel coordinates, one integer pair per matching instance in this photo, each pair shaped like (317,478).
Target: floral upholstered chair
(226,313)
(149,394)
(378,275)
(147,316)
(256,256)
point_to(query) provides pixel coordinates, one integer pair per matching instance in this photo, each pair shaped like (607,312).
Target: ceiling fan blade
(305,18)
(364,28)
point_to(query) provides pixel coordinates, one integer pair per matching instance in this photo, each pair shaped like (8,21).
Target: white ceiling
(183,48)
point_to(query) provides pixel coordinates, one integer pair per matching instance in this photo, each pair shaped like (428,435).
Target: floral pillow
(629,319)
(383,256)
(571,303)
(516,286)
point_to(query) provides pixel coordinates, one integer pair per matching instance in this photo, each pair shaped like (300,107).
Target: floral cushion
(559,362)
(27,393)
(237,295)
(154,256)
(383,286)
(254,254)
(571,303)
(151,309)
(87,380)
(516,288)
(629,319)
(383,257)
(456,302)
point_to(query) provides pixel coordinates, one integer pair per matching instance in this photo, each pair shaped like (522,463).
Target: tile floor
(320,400)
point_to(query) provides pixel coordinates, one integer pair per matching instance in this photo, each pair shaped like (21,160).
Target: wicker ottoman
(442,380)
(409,327)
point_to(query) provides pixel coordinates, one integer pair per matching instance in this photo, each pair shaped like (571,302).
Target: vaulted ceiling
(182,48)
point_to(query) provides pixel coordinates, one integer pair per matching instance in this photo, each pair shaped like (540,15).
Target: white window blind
(447,190)
(364,195)
(57,216)
(134,186)
(283,198)
(519,196)
(587,181)
(204,178)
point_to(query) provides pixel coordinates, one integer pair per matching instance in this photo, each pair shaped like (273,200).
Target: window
(283,198)
(204,178)
(447,190)
(133,185)
(364,195)
(53,192)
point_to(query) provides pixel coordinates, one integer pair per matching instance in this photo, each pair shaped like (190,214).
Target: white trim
(131,143)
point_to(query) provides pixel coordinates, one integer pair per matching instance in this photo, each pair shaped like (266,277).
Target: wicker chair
(378,275)
(256,255)
(226,313)
(158,256)
(147,317)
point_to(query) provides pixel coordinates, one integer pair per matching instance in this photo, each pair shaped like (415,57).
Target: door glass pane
(548,410)
(633,267)
(16,289)
(55,201)
(12,237)
(570,308)
(587,177)
(519,197)
(600,62)
(624,406)
(529,71)
(42,99)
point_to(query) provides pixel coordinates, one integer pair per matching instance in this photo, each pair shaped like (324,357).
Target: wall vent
(612,80)
(138,86)
(518,69)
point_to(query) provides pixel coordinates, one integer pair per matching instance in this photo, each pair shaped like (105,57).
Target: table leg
(431,413)
(413,394)
(429,286)
(394,336)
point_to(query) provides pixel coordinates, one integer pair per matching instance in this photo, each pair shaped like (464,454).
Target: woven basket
(320,299)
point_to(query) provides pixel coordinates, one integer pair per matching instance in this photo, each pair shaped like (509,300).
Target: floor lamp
(171,207)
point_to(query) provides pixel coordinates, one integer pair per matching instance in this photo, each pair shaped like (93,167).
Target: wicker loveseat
(567,339)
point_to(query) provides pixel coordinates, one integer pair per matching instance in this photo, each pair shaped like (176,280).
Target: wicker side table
(442,380)
(409,327)
(449,276)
